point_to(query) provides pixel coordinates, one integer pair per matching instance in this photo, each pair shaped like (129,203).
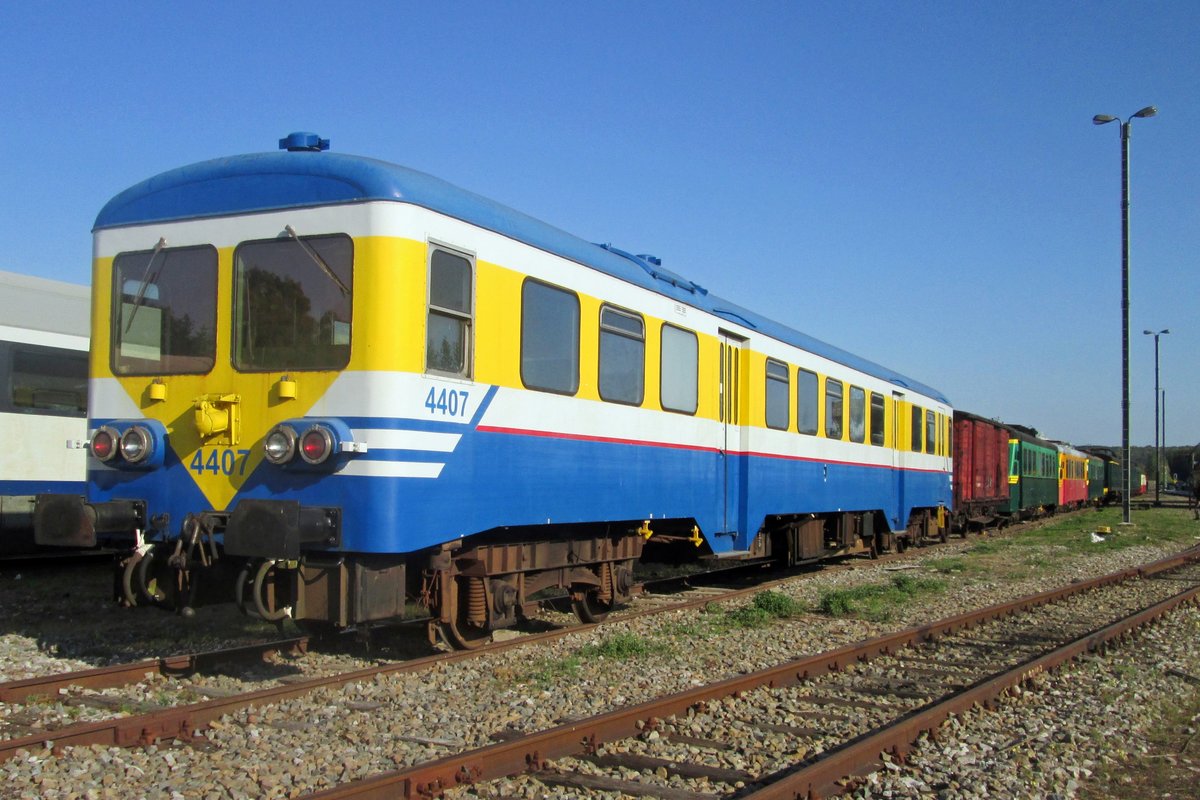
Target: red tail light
(104,443)
(316,444)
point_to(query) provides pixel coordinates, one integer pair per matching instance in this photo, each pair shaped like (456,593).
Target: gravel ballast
(1037,744)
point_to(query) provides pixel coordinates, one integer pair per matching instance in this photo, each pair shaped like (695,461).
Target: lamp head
(1148,111)
(1100,119)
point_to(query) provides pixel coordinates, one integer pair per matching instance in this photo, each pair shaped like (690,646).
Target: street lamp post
(1157,449)
(1102,119)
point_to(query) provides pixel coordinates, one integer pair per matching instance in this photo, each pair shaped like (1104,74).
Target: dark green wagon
(1032,474)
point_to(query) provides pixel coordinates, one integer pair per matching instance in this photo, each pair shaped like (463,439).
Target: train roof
(42,304)
(303,177)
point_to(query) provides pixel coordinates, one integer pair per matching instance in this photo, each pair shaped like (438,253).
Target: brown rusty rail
(826,776)
(530,753)
(184,721)
(116,675)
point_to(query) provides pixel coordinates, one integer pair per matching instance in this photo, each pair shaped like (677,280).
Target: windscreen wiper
(320,262)
(147,279)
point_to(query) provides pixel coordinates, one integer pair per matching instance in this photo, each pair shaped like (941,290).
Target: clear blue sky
(919,183)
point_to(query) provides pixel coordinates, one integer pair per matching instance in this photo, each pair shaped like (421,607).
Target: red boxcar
(980,472)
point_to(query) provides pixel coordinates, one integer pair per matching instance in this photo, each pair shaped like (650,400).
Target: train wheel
(467,628)
(589,607)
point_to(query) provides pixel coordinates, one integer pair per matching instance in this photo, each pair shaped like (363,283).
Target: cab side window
(448,332)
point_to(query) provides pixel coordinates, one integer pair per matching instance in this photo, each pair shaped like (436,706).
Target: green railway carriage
(1111,478)
(1096,486)
(1032,474)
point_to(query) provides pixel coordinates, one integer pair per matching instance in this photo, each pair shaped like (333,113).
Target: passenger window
(877,419)
(292,303)
(549,338)
(807,401)
(164,314)
(777,395)
(622,356)
(448,329)
(680,352)
(833,408)
(858,414)
(916,423)
(930,431)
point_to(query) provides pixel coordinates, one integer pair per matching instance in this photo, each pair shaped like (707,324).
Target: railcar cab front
(211,339)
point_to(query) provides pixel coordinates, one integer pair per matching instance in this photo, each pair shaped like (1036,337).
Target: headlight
(316,444)
(280,444)
(104,443)
(137,444)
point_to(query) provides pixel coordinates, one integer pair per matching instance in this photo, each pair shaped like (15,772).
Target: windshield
(164,311)
(292,303)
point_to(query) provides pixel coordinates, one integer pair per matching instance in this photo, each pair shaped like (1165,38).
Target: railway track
(126,719)
(143,702)
(805,728)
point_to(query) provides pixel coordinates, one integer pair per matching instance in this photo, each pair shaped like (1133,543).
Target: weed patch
(548,671)
(778,605)
(622,646)
(955,565)
(877,601)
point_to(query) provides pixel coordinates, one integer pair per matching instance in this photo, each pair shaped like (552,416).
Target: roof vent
(653,267)
(300,142)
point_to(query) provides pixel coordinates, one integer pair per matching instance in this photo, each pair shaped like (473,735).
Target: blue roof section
(273,181)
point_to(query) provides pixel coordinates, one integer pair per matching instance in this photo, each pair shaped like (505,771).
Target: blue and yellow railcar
(374,394)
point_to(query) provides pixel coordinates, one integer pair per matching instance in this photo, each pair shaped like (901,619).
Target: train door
(899,449)
(733,434)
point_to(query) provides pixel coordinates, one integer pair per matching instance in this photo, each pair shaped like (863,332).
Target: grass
(1167,770)
(1066,538)
(622,647)
(877,601)
(549,671)
(954,565)
(990,547)
(615,647)
(766,607)
(1074,532)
